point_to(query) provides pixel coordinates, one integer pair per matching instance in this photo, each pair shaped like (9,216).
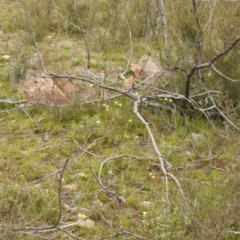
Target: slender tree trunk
(161,12)
(199,43)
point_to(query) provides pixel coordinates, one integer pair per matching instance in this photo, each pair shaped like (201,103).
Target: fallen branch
(234,232)
(98,178)
(12,101)
(159,155)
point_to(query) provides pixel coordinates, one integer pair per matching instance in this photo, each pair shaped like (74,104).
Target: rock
(148,70)
(42,90)
(138,71)
(70,187)
(56,91)
(6,57)
(146,203)
(66,207)
(149,65)
(146,67)
(87,223)
(69,86)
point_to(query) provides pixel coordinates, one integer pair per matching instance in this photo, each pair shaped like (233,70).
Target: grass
(39,144)
(36,141)
(30,151)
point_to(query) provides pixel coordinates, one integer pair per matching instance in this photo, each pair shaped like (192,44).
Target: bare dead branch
(212,107)
(98,178)
(234,232)
(223,75)
(69,233)
(12,101)
(131,93)
(38,236)
(205,65)
(60,190)
(159,155)
(45,177)
(49,228)
(217,56)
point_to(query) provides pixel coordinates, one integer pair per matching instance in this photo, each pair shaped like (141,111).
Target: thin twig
(82,31)
(48,228)
(69,233)
(223,75)
(98,178)
(122,233)
(199,42)
(205,65)
(33,35)
(60,190)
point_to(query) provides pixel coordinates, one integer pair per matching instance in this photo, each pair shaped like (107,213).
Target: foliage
(57,162)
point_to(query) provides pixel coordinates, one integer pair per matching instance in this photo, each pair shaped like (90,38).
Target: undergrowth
(95,161)
(38,145)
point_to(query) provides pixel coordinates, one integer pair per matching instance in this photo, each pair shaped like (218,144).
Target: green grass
(36,142)
(32,151)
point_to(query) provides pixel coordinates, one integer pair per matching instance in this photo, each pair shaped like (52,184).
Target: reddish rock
(149,65)
(57,91)
(138,71)
(42,90)
(69,86)
(146,67)
(149,71)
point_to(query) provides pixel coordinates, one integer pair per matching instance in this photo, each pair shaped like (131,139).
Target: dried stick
(159,155)
(234,232)
(98,83)
(98,177)
(205,65)
(69,233)
(122,233)
(220,1)
(223,75)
